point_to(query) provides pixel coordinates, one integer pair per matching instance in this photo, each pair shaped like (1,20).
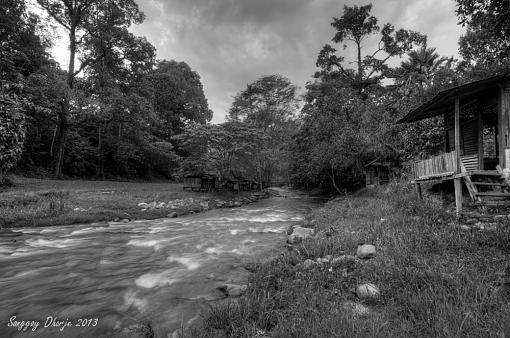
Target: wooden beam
(458,181)
(458,196)
(505,111)
(445,130)
(502,128)
(457,130)
(480,137)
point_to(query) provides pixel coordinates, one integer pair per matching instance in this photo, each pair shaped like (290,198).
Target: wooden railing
(437,166)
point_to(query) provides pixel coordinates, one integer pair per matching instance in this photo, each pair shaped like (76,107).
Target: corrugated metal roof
(444,101)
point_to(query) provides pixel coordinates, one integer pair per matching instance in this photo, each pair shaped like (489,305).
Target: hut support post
(503,107)
(457,181)
(418,190)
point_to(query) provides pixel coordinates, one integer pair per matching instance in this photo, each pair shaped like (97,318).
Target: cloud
(233,42)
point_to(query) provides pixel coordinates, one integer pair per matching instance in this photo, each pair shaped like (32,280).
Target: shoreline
(42,203)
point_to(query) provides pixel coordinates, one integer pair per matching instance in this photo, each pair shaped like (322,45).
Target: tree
(267,103)
(22,53)
(418,79)
(12,132)
(221,149)
(178,98)
(487,40)
(79,19)
(355,26)
(417,74)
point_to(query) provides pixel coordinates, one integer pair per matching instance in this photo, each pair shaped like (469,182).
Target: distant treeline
(114,111)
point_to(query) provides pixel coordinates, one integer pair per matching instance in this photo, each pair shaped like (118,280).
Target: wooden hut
(378,172)
(477,145)
(199,182)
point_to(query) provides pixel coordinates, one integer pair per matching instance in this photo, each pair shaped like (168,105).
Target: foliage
(487,40)
(348,117)
(221,149)
(355,26)
(22,53)
(340,132)
(178,98)
(12,131)
(418,79)
(269,104)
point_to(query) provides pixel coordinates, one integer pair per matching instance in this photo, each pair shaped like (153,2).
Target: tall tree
(22,53)
(79,19)
(487,40)
(355,26)
(269,104)
(178,98)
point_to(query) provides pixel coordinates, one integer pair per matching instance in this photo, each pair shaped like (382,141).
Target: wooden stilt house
(477,145)
(378,172)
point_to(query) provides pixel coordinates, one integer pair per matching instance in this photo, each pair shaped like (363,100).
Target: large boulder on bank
(365,251)
(298,234)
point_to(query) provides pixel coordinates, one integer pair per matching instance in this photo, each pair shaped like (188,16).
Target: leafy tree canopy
(354,27)
(487,40)
(267,102)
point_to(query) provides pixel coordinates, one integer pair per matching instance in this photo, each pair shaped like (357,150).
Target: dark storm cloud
(233,42)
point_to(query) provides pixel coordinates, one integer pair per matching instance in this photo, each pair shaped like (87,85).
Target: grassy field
(436,279)
(37,202)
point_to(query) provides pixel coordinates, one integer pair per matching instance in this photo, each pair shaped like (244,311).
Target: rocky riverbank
(191,205)
(39,203)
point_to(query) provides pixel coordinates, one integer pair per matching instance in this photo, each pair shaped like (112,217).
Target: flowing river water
(106,277)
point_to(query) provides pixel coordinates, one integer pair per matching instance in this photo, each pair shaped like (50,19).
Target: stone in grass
(322,260)
(308,263)
(365,251)
(233,290)
(367,291)
(298,234)
(343,259)
(356,309)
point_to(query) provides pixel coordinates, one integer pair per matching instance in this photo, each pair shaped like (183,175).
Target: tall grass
(32,206)
(436,279)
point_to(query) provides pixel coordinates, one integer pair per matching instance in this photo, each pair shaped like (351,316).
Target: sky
(231,43)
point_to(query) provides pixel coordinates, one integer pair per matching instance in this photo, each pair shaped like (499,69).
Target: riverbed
(98,279)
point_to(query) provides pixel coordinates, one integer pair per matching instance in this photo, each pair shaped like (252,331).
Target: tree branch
(339,65)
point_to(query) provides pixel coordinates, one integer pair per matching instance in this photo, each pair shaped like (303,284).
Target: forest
(116,112)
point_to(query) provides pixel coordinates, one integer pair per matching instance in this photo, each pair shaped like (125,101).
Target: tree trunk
(100,161)
(63,123)
(332,176)
(61,141)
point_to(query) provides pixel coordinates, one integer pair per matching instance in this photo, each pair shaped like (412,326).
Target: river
(112,275)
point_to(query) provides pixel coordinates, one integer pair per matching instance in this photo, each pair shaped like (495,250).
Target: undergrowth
(436,279)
